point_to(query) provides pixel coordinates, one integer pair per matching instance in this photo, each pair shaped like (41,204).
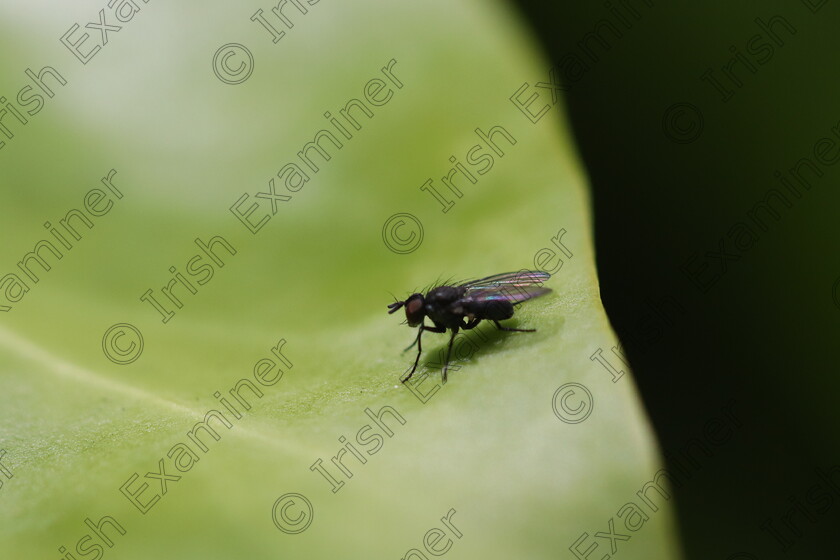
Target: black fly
(464,306)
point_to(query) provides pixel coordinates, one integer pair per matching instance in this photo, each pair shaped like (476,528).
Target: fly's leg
(410,346)
(471,325)
(449,352)
(419,350)
(510,329)
(435,329)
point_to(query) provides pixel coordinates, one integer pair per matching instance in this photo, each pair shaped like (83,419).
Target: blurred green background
(186,146)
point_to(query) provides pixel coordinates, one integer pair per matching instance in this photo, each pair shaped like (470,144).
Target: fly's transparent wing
(514,287)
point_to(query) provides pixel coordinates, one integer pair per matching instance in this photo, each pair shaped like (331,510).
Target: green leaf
(317,275)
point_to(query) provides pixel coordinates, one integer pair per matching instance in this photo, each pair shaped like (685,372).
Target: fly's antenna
(394,306)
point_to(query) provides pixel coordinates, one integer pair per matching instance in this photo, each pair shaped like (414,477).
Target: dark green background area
(765,335)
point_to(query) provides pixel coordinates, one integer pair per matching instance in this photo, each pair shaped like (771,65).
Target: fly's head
(415,309)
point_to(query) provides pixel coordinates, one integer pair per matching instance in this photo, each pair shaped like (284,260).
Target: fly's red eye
(414,311)
(413,306)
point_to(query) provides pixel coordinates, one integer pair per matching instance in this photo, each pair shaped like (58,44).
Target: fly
(465,305)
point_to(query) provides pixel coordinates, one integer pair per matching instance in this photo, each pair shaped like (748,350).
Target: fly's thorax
(440,302)
(443,295)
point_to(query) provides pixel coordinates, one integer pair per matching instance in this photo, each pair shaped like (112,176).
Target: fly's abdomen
(492,309)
